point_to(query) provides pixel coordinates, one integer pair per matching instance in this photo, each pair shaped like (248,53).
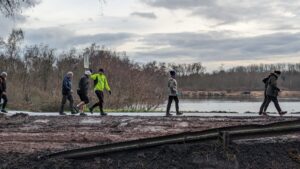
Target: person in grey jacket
(272,92)
(173,94)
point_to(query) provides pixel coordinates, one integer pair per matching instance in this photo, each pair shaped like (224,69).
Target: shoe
(260,113)
(83,114)
(264,114)
(91,110)
(103,114)
(179,113)
(62,114)
(3,111)
(73,112)
(168,115)
(282,113)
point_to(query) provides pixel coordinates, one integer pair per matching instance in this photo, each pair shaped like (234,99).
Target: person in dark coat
(3,94)
(272,92)
(173,94)
(262,110)
(67,94)
(82,91)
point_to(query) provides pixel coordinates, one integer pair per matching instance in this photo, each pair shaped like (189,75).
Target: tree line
(36,73)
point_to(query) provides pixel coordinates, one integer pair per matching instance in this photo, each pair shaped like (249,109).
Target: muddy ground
(23,138)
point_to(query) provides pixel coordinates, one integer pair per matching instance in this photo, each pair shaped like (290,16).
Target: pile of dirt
(188,156)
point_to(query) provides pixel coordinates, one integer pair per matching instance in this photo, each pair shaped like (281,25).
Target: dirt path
(23,138)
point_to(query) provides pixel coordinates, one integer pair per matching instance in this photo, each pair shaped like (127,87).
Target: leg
(101,101)
(268,100)
(261,110)
(96,104)
(71,102)
(275,101)
(169,104)
(100,96)
(177,105)
(63,102)
(4,97)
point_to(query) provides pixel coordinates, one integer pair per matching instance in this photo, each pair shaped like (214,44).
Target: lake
(240,106)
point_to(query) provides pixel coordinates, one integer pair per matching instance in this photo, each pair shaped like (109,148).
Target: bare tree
(13,7)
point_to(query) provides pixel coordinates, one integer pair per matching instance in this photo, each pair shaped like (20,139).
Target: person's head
(173,73)
(87,72)
(277,72)
(70,74)
(4,74)
(101,70)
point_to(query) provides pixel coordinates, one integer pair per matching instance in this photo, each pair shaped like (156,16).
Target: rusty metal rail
(224,133)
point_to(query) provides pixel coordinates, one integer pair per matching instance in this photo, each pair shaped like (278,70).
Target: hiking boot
(62,114)
(91,110)
(179,113)
(168,115)
(83,114)
(282,113)
(73,112)
(3,111)
(103,114)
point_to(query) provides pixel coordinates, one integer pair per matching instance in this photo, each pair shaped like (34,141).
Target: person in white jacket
(173,94)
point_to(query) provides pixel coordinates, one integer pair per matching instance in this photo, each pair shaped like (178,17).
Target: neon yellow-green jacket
(101,82)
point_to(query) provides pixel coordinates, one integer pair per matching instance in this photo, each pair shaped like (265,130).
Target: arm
(106,85)
(93,76)
(273,83)
(67,84)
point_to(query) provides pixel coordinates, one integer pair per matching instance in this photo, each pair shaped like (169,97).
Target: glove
(109,92)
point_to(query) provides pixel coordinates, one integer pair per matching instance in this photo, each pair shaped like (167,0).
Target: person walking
(262,110)
(67,94)
(82,91)
(101,84)
(272,92)
(173,94)
(3,93)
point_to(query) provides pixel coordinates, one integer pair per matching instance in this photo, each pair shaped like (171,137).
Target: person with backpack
(82,91)
(3,94)
(100,84)
(272,92)
(173,94)
(67,94)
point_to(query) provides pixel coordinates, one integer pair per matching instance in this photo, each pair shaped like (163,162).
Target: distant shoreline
(236,94)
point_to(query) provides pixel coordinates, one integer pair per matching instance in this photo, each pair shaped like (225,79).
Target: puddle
(91,121)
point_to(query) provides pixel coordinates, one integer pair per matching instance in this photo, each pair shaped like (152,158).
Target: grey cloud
(231,11)
(148,15)
(214,47)
(63,38)
(179,4)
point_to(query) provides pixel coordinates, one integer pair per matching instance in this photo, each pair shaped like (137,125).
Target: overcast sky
(214,32)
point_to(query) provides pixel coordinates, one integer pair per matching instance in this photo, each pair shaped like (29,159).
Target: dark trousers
(5,100)
(100,96)
(263,107)
(64,100)
(274,100)
(171,98)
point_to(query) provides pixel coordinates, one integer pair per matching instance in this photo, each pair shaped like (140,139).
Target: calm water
(289,105)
